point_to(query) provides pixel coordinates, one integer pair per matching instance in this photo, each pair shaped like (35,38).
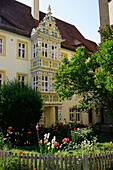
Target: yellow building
(32,48)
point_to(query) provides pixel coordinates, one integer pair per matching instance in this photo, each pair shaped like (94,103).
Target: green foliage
(5,141)
(81,134)
(11,163)
(21,106)
(90,74)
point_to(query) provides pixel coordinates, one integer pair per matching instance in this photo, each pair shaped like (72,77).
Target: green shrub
(80,134)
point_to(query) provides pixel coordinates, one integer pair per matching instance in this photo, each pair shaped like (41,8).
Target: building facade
(31,50)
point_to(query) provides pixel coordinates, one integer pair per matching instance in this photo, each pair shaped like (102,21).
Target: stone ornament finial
(49,9)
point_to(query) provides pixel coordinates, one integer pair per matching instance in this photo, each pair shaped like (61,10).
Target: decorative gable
(48,26)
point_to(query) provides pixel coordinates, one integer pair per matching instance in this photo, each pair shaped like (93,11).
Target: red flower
(31,167)
(100,148)
(74,128)
(61,124)
(25,153)
(65,140)
(56,143)
(21,152)
(0,152)
(29,132)
(64,118)
(72,117)
(10,128)
(85,124)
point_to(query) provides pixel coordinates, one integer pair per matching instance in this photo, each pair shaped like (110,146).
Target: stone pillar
(104,13)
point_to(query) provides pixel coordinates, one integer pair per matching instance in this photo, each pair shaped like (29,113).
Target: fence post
(85,161)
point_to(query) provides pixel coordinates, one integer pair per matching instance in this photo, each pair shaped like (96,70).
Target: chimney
(35,9)
(104,13)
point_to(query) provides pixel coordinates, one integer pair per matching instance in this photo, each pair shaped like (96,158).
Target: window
(53,90)
(63,55)
(22,50)
(97,112)
(44,50)
(2,45)
(77,115)
(2,77)
(56,114)
(22,78)
(45,83)
(35,82)
(72,114)
(35,50)
(54,52)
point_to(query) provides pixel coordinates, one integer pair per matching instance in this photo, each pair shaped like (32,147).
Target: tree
(20,105)
(90,74)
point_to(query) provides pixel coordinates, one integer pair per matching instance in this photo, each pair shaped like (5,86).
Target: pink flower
(56,143)
(41,141)
(37,127)
(10,128)
(46,141)
(65,140)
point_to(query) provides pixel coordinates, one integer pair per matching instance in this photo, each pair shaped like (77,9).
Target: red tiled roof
(19,15)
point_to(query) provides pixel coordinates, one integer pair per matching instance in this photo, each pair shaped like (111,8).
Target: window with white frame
(53,90)
(35,82)
(21,50)
(45,83)
(1,79)
(1,45)
(44,49)
(72,114)
(35,50)
(22,79)
(78,115)
(54,52)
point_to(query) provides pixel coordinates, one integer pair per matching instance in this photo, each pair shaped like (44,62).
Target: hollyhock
(10,128)
(37,127)
(65,140)
(56,143)
(46,141)
(41,141)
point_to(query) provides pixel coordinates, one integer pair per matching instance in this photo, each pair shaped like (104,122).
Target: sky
(84,14)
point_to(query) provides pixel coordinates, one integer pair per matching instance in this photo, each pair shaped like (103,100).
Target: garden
(37,146)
